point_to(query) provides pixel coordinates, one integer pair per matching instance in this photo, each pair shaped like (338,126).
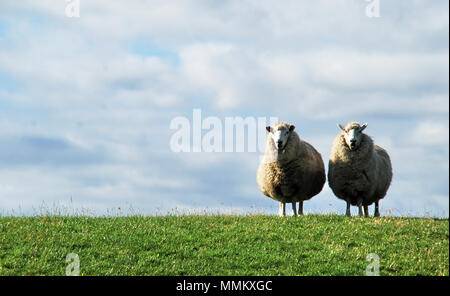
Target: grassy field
(223,245)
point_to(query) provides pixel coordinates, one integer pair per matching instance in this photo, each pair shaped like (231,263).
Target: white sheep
(291,170)
(359,171)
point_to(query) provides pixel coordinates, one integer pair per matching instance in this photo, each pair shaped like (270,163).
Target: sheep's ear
(363,127)
(291,128)
(341,127)
(268,128)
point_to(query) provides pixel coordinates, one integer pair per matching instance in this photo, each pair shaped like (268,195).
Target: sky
(86,103)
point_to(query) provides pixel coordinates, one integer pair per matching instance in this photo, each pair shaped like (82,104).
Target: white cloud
(431,133)
(315,63)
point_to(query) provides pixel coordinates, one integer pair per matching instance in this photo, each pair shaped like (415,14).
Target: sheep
(359,171)
(291,169)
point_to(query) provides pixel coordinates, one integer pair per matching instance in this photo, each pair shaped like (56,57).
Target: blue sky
(86,103)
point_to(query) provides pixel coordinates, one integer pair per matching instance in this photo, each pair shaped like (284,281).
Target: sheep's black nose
(279,143)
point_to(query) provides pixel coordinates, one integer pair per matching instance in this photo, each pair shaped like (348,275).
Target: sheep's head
(352,134)
(280,134)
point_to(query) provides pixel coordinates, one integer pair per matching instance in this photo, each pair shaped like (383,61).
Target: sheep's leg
(360,207)
(347,213)
(366,211)
(294,208)
(377,210)
(282,209)
(300,207)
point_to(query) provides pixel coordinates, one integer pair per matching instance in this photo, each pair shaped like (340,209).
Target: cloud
(38,150)
(429,133)
(86,103)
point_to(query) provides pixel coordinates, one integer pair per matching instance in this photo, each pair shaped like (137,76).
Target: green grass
(223,245)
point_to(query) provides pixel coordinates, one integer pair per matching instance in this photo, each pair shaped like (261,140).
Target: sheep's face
(352,135)
(280,135)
